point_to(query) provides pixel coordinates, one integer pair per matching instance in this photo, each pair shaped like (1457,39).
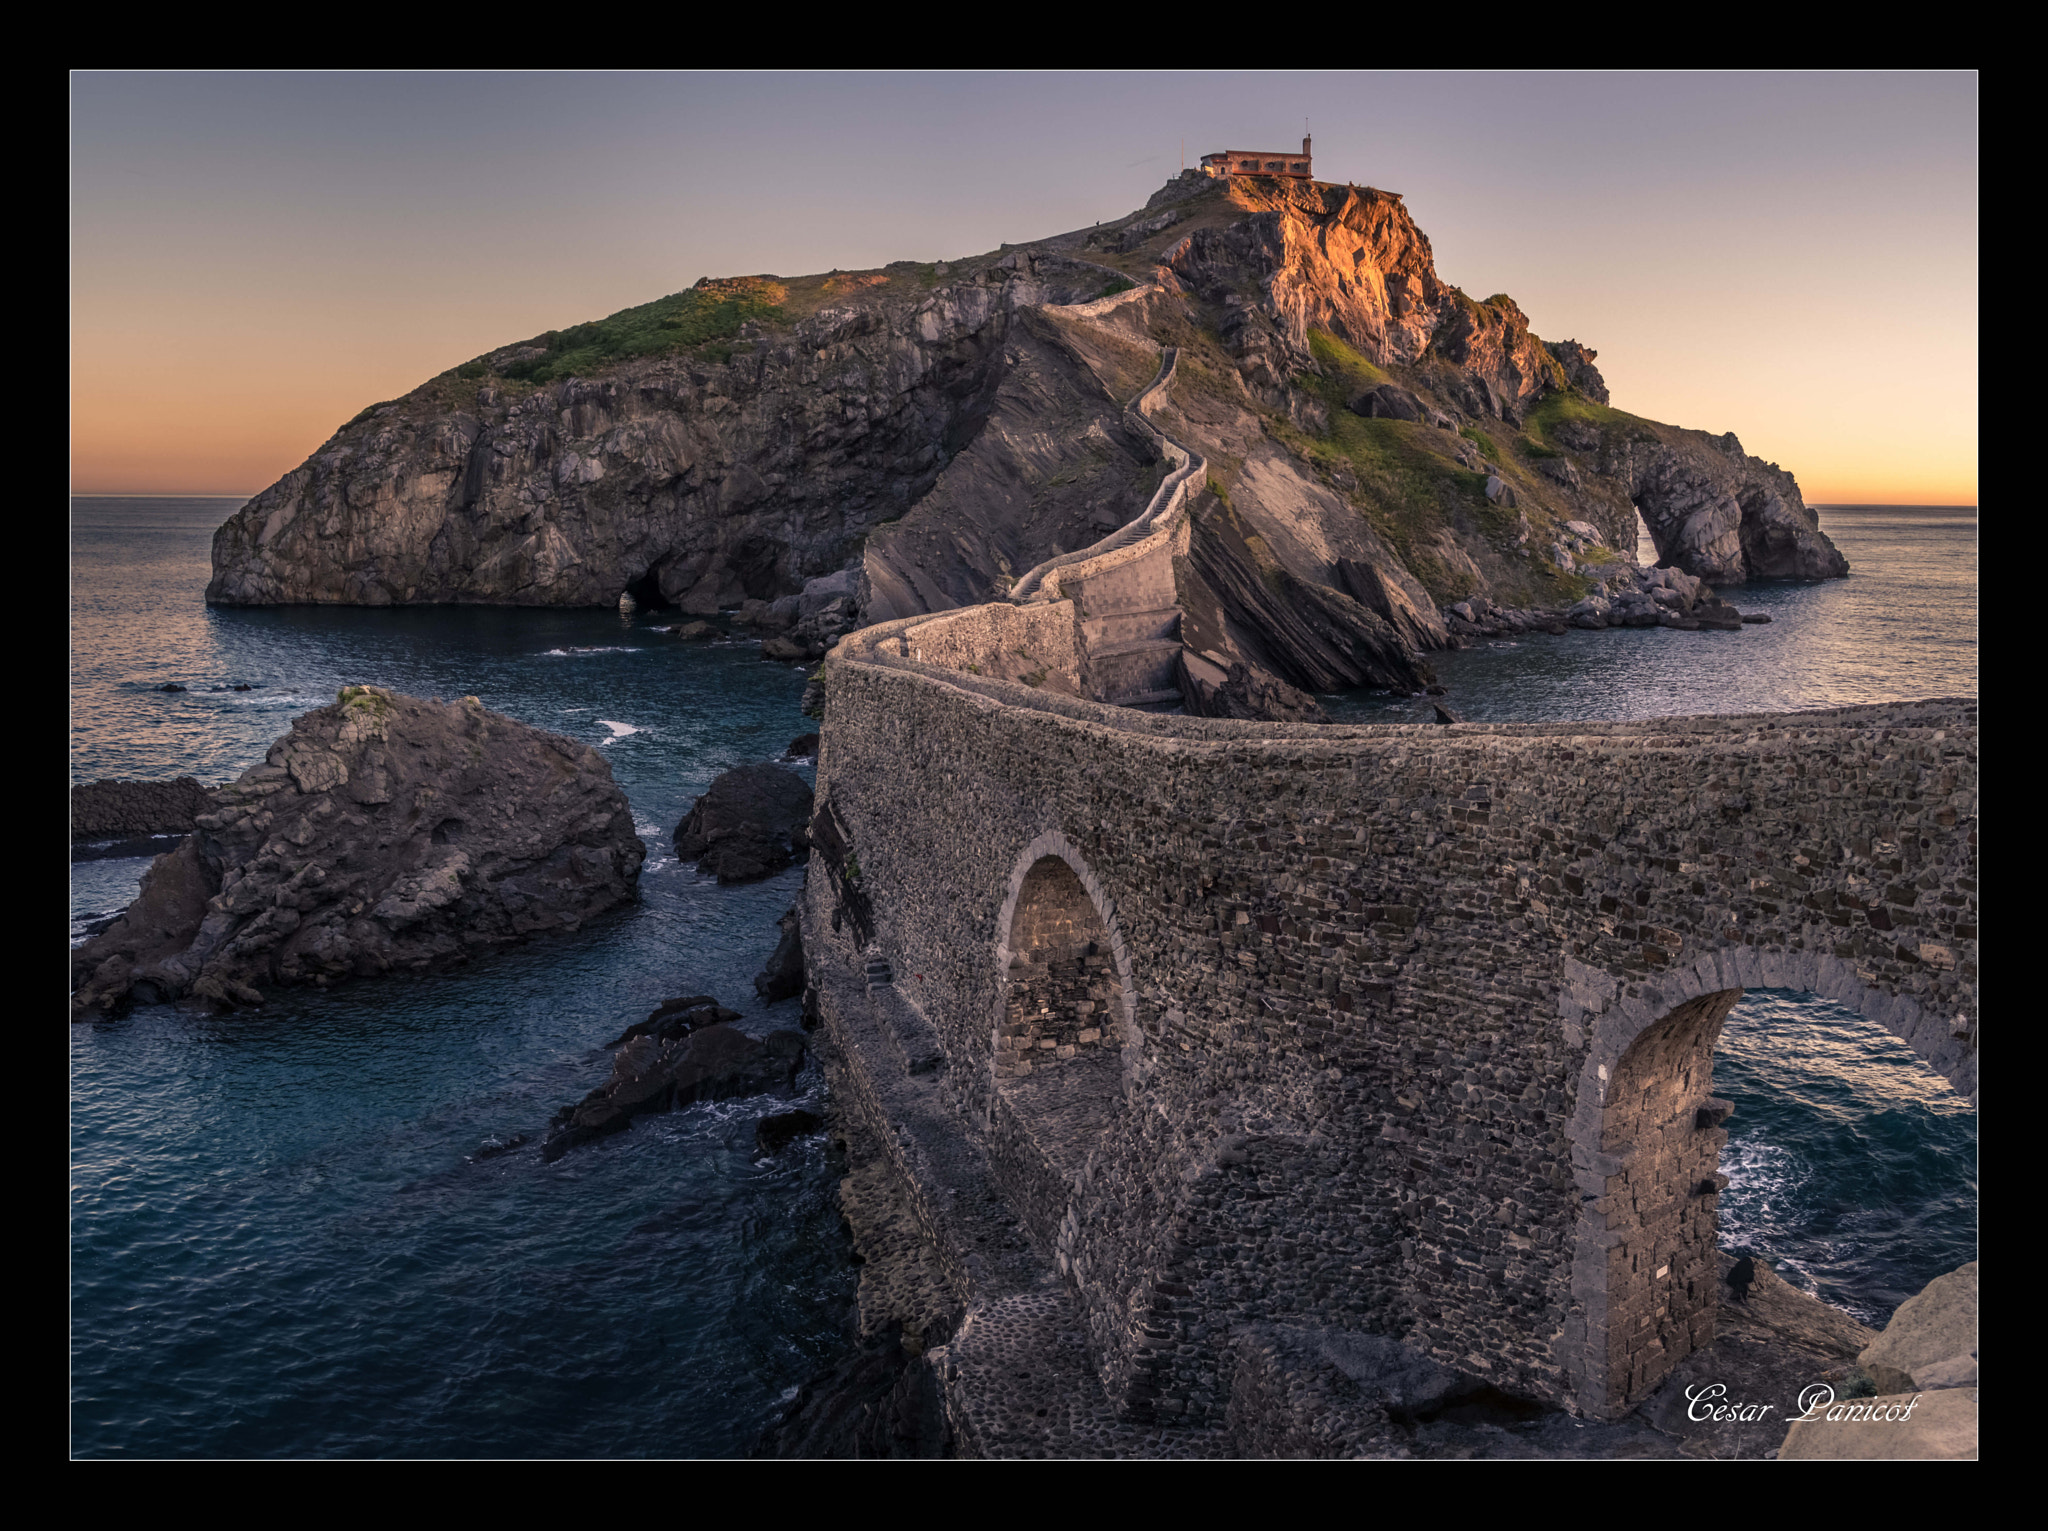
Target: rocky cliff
(1381,444)
(382,832)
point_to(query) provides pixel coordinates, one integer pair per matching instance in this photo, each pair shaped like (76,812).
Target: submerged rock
(751,823)
(382,832)
(648,1074)
(774,1133)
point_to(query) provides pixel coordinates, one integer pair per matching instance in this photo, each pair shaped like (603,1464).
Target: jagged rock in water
(751,822)
(1720,514)
(382,832)
(774,1133)
(649,1074)
(783,977)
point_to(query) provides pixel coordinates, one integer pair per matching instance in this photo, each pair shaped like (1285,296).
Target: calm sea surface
(280,1245)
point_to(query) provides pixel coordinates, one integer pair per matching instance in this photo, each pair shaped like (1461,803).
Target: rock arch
(1645,1142)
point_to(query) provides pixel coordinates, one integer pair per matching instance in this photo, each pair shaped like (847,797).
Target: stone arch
(1645,1140)
(1065,1008)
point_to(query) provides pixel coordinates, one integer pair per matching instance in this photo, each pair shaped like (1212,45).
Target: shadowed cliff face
(702,477)
(1390,440)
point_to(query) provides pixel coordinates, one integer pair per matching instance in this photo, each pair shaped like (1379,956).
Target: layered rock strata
(383,832)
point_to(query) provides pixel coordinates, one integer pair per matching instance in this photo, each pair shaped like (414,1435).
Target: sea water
(289,1236)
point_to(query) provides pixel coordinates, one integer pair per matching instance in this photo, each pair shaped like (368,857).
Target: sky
(256,257)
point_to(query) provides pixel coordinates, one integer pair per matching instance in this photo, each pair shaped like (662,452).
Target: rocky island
(384,832)
(824,452)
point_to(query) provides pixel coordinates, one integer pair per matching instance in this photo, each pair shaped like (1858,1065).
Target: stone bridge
(1405,1031)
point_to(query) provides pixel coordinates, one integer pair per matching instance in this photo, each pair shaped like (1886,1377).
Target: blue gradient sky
(256,257)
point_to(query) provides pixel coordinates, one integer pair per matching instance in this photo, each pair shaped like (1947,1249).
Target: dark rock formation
(802,747)
(648,1074)
(750,823)
(1718,513)
(783,977)
(382,832)
(674,1018)
(1240,690)
(774,1133)
(693,632)
(1379,589)
(1388,401)
(124,812)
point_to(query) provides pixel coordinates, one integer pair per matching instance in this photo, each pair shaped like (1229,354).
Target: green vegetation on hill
(1343,365)
(1559,406)
(702,316)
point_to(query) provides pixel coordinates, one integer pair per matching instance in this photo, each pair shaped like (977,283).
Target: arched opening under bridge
(1849,1168)
(1060,1035)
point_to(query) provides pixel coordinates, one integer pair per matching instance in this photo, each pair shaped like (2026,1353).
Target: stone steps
(1100,633)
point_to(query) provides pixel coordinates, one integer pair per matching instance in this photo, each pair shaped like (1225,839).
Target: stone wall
(1380,988)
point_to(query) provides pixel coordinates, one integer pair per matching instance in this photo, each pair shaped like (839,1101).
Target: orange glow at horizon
(256,258)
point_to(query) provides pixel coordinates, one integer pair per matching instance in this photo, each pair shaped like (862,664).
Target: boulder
(1717,615)
(788,650)
(693,632)
(1559,470)
(674,1018)
(382,832)
(1931,1341)
(1916,1427)
(1756,618)
(1389,401)
(1501,492)
(751,822)
(783,977)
